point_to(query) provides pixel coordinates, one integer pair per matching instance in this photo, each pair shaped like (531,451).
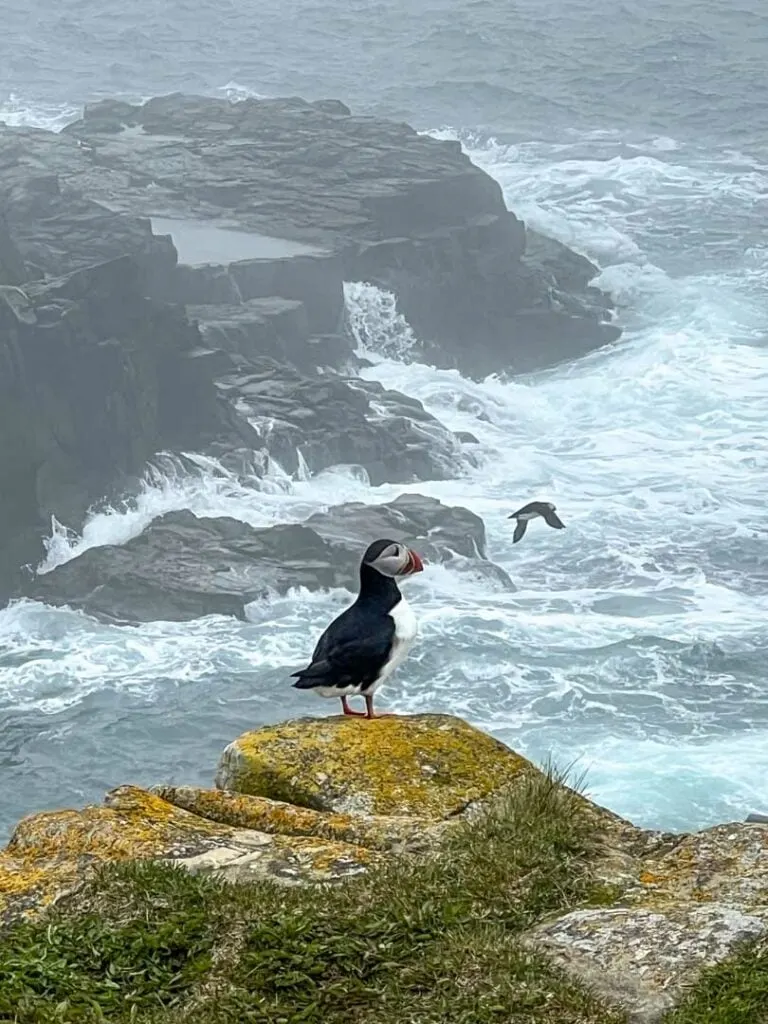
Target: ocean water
(635,645)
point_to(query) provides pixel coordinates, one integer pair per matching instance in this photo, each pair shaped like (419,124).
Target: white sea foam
(17,111)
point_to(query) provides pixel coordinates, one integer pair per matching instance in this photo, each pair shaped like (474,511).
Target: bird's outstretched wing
(530,507)
(345,656)
(522,525)
(551,518)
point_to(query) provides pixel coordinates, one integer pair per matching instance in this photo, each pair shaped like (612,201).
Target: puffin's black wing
(351,652)
(522,526)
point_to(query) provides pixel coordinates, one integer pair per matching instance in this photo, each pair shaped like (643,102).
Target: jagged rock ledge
(323,800)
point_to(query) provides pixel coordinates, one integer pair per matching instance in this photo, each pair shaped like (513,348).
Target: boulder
(183,566)
(690,904)
(323,800)
(428,766)
(51,854)
(443,770)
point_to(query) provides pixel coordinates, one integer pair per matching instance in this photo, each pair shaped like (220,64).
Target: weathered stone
(687,904)
(323,800)
(644,960)
(726,864)
(428,766)
(94,379)
(272,327)
(401,210)
(375,832)
(331,420)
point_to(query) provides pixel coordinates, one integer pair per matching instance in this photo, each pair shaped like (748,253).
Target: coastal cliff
(407,863)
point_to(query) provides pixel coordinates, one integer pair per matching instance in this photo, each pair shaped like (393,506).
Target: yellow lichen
(49,852)
(727,863)
(323,856)
(648,878)
(276,817)
(430,766)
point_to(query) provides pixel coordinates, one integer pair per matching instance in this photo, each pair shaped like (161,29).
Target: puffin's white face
(394,560)
(550,506)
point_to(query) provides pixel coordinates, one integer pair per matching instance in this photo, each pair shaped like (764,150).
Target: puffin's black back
(355,647)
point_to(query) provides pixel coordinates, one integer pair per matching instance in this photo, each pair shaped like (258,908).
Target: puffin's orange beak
(415,563)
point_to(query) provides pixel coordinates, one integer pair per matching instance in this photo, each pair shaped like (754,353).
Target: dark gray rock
(182,567)
(330,420)
(404,211)
(757,819)
(94,379)
(12,269)
(273,327)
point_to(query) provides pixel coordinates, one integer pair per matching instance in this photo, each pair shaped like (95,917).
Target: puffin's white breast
(406,628)
(406,624)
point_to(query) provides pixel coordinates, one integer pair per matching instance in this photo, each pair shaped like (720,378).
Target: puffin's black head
(391,558)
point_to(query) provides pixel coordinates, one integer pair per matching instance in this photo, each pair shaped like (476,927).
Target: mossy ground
(416,942)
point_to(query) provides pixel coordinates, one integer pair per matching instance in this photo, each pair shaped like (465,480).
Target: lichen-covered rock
(693,900)
(275,817)
(642,959)
(51,853)
(428,766)
(726,864)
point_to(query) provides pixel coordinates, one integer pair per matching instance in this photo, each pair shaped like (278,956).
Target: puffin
(366,643)
(524,515)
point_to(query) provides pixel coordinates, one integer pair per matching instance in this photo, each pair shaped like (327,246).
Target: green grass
(734,992)
(430,942)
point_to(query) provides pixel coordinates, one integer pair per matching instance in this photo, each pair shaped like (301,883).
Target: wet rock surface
(182,566)
(94,379)
(331,420)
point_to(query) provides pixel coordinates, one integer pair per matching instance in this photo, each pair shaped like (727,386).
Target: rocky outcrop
(689,904)
(252,216)
(409,806)
(50,854)
(331,420)
(431,766)
(182,566)
(321,800)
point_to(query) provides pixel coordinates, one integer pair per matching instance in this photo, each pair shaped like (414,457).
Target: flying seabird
(524,515)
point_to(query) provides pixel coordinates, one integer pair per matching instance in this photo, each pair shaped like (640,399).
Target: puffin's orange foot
(347,710)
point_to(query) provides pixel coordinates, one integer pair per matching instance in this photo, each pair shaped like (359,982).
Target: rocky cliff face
(95,377)
(171,278)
